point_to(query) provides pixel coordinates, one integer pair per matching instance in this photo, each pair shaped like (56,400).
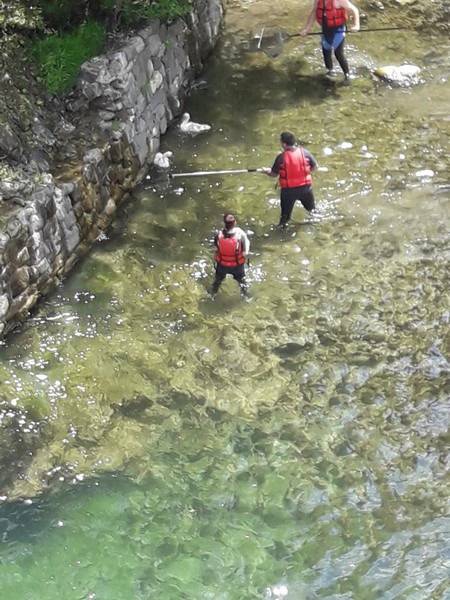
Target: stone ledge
(132,93)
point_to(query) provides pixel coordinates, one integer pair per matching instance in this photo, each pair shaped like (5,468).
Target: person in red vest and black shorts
(332,16)
(293,167)
(232,248)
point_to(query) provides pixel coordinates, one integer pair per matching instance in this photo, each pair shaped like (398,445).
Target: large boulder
(402,75)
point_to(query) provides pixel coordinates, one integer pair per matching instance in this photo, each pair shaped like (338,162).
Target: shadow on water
(254,88)
(25,522)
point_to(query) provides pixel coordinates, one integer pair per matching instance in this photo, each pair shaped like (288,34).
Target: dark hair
(230,221)
(288,138)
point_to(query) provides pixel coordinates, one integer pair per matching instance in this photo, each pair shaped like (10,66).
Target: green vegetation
(63,14)
(60,55)
(17,14)
(133,13)
(77,31)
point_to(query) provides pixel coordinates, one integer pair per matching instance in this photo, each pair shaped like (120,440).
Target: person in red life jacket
(293,167)
(332,16)
(232,248)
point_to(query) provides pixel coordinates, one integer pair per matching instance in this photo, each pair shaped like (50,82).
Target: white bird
(188,126)
(162,160)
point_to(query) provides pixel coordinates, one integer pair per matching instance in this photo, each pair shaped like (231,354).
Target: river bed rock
(402,75)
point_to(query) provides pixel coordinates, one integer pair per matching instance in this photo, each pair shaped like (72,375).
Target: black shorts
(303,193)
(238,271)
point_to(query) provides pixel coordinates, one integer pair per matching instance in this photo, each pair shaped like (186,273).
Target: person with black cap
(293,167)
(232,248)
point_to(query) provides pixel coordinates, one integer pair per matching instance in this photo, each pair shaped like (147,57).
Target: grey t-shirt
(240,235)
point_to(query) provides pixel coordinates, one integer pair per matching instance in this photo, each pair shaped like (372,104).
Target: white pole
(224,172)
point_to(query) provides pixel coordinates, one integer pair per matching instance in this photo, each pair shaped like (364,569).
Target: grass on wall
(166,10)
(76,31)
(60,56)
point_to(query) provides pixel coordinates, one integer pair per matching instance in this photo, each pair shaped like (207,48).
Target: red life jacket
(230,252)
(295,170)
(328,15)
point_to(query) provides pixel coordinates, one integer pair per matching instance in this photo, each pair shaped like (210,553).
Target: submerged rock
(427,173)
(19,436)
(403,75)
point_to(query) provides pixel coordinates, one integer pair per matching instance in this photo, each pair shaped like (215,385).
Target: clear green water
(178,448)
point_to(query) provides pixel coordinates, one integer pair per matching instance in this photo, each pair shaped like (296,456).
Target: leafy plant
(133,12)
(15,14)
(60,56)
(63,14)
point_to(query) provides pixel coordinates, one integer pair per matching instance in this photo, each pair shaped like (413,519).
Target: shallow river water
(295,446)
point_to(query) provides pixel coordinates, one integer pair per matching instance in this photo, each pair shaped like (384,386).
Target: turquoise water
(169,447)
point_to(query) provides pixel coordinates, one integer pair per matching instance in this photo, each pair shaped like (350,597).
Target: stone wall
(123,102)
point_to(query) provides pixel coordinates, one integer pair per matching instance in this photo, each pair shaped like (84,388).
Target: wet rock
(119,65)
(10,144)
(36,223)
(136,407)
(403,75)
(424,173)
(19,281)
(44,135)
(106,115)
(4,306)
(18,439)
(23,257)
(14,228)
(377,4)
(134,47)
(292,348)
(43,268)
(16,188)
(127,98)
(110,208)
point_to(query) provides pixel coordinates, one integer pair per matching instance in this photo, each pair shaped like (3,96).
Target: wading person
(293,168)
(232,248)
(332,16)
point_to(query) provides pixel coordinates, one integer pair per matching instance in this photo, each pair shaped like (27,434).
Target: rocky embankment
(66,165)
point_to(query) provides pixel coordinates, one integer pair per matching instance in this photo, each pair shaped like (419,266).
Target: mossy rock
(18,439)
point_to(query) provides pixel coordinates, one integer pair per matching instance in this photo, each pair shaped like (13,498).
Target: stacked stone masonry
(131,94)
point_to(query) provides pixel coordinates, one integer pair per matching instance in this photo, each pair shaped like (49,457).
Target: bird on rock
(162,160)
(191,128)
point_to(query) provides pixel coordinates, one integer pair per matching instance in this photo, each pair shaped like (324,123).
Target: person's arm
(245,242)
(310,21)
(313,164)
(275,170)
(351,8)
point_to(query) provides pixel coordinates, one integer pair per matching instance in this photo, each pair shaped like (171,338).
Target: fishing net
(270,41)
